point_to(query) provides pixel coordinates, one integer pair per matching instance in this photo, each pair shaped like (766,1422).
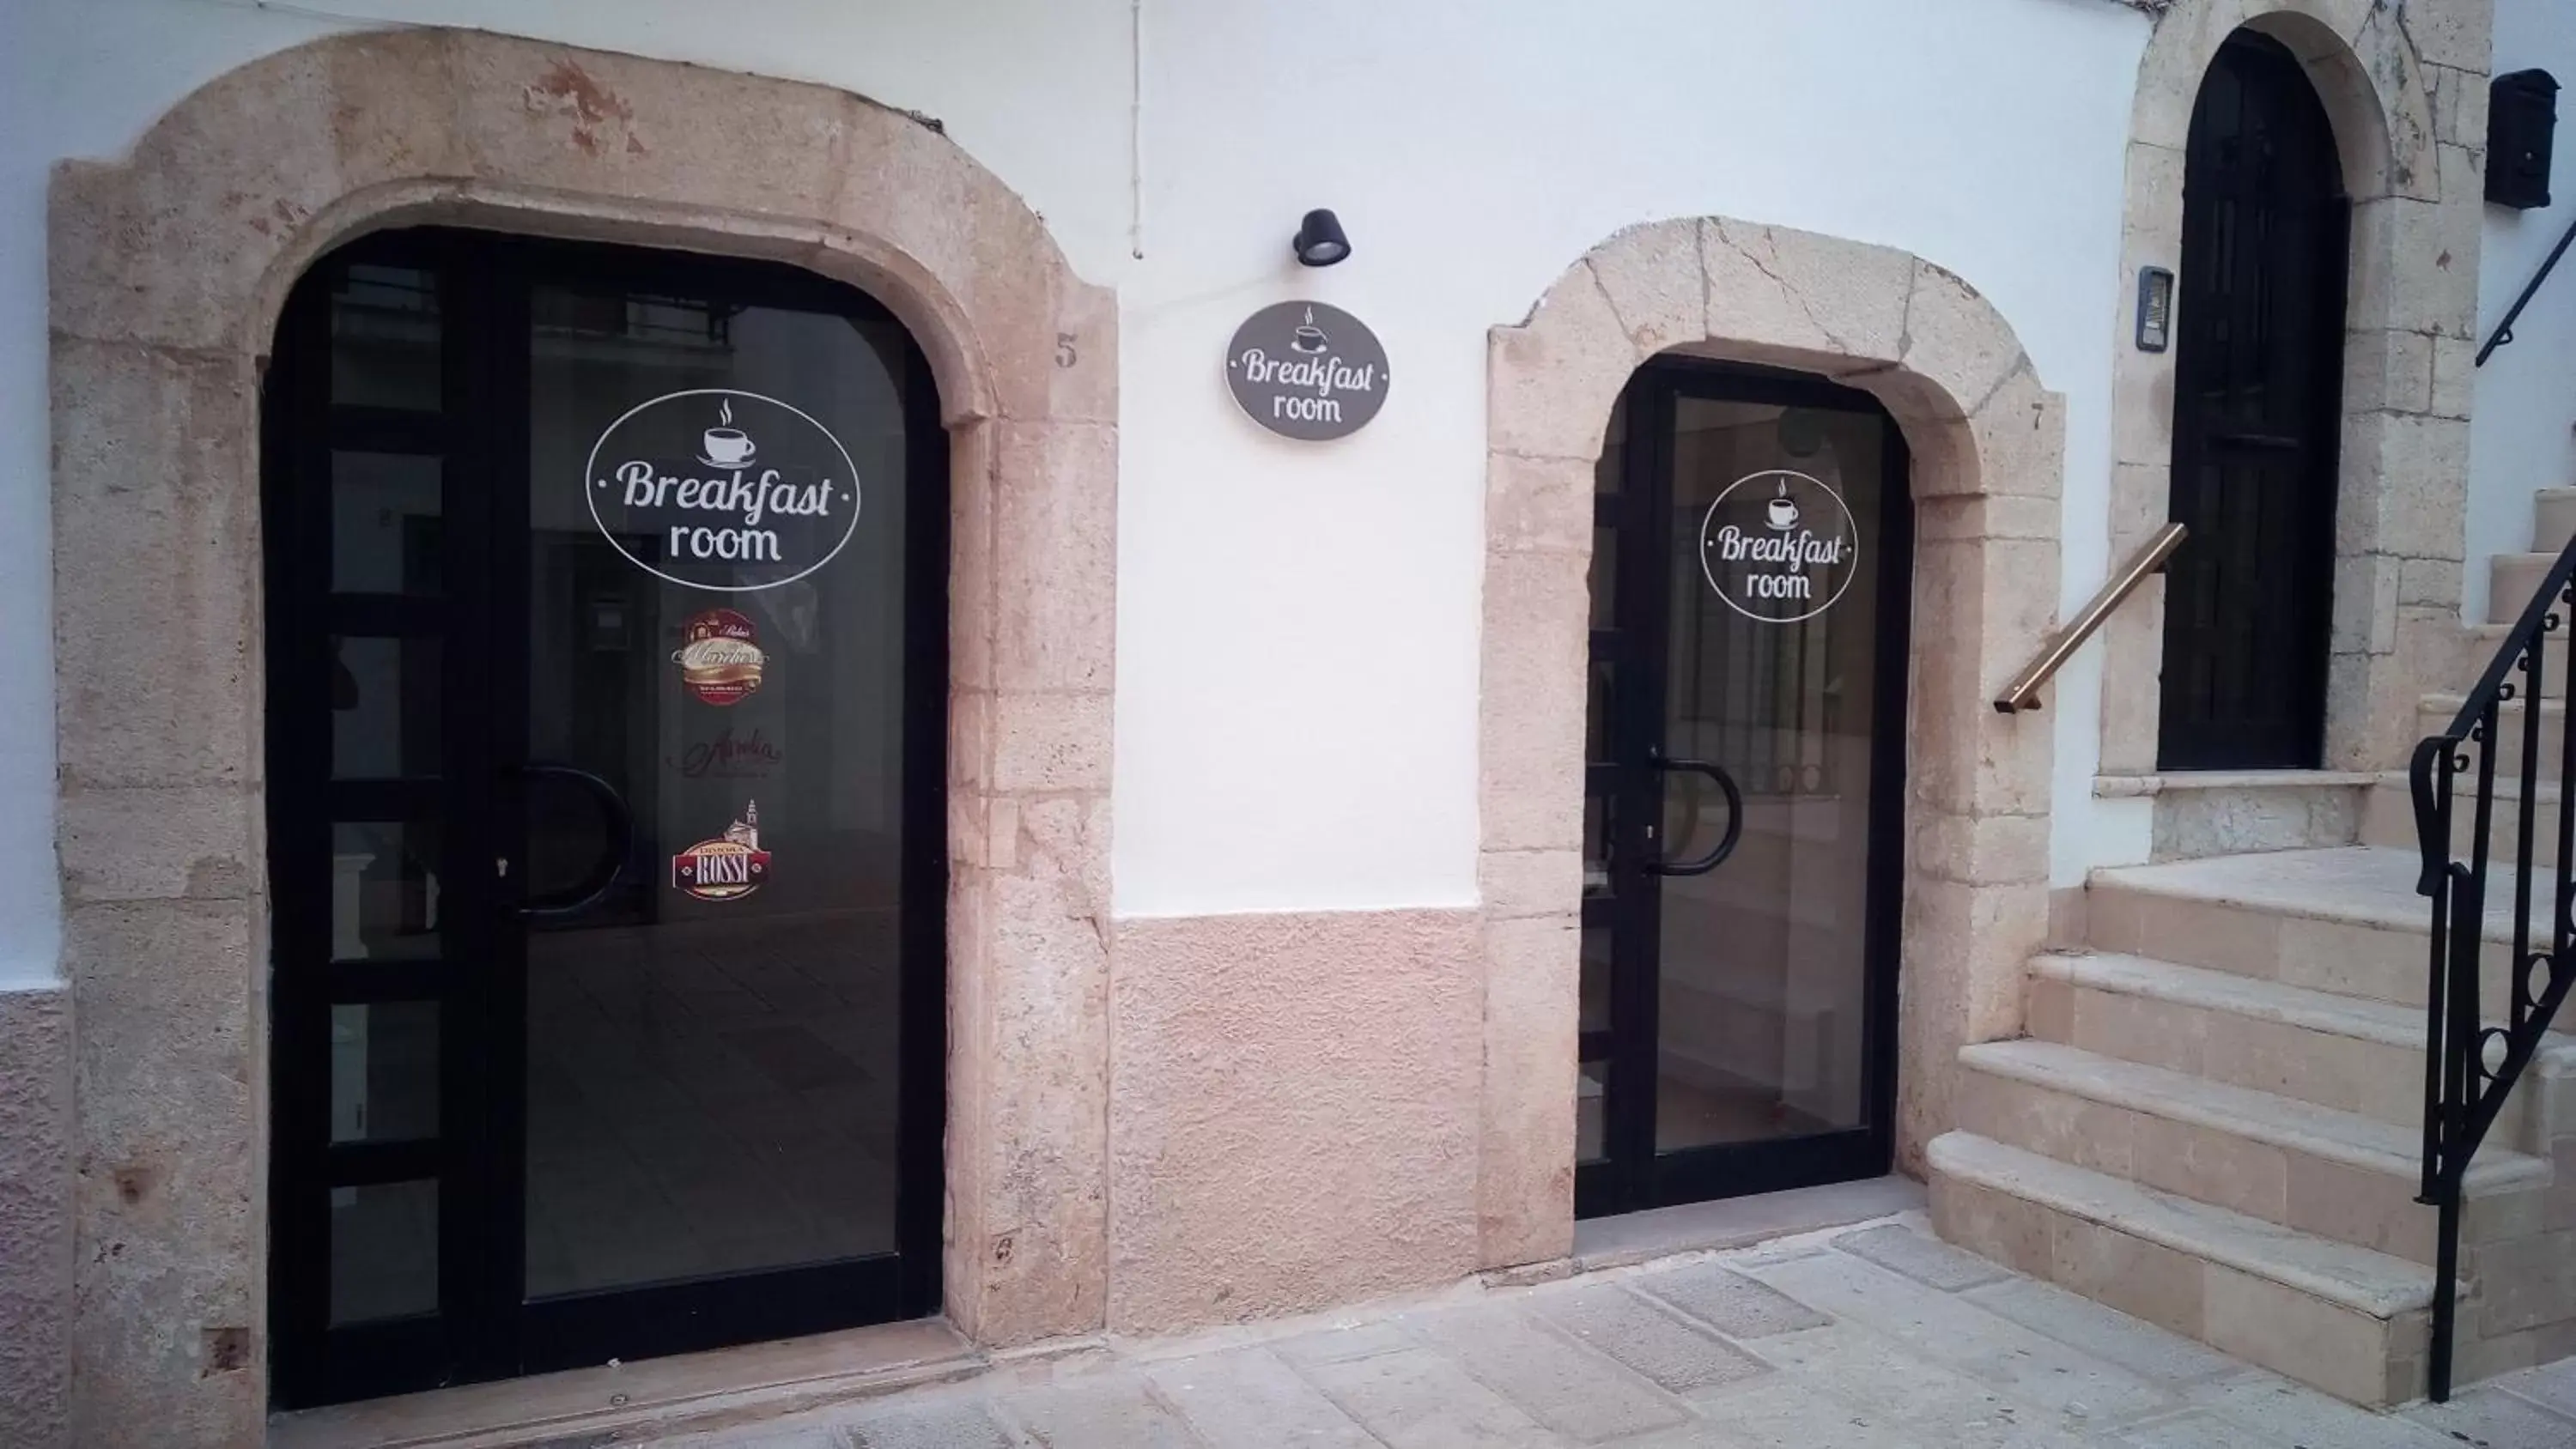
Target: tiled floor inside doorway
(709,1097)
(1874,1337)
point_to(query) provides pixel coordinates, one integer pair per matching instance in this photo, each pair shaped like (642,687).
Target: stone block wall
(35,1217)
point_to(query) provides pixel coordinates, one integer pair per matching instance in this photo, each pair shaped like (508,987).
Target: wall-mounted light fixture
(1319,241)
(2155,309)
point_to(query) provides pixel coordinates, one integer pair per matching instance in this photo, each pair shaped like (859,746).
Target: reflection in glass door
(607,693)
(1745,737)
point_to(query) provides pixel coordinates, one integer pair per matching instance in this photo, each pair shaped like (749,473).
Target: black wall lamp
(1319,241)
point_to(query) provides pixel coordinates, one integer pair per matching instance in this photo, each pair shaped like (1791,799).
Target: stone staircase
(2214,1121)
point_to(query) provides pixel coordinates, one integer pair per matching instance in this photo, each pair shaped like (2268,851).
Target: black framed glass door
(1744,797)
(606,711)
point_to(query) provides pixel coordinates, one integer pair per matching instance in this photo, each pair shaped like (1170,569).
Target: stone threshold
(1707,1227)
(2131,787)
(652,1397)
(728,1388)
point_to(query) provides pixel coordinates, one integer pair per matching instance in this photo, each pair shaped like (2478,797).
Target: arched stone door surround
(168,273)
(1988,446)
(2405,88)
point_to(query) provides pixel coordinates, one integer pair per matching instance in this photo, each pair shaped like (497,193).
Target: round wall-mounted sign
(1305,370)
(1778,546)
(722,490)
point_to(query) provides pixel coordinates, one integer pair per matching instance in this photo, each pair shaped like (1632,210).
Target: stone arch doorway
(170,271)
(2404,91)
(1985,443)
(2257,418)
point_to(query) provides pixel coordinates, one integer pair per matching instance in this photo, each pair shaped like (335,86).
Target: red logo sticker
(720,657)
(727,868)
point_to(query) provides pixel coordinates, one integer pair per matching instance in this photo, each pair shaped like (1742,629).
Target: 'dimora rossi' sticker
(720,657)
(728,867)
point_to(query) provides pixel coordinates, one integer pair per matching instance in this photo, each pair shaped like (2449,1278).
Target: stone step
(2435,714)
(2338,1175)
(2346,921)
(2483,640)
(2388,819)
(2343,1052)
(2342,1319)
(2553,518)
(2479,647)
(2199,813)
(2512,578)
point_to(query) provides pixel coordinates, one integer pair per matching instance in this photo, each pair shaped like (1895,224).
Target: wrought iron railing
(2471,1065)
(2503,334)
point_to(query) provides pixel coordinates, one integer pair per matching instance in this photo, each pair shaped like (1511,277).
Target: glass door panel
(1744,734)
(711,1048)
(1763,962)
(366,928)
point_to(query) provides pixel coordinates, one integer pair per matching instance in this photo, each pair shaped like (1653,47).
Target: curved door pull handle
(612,867)
(1734,817)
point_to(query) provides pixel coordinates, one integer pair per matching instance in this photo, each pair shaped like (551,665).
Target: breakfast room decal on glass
(1778,546)
(723,490)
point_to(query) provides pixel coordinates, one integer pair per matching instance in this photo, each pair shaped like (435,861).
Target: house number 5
(1065,356)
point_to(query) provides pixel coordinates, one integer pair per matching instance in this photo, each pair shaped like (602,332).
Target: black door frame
(1632,1175)
(2219,318)
(485,1328)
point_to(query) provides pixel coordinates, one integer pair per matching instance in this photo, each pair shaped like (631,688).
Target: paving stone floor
(1873,1338)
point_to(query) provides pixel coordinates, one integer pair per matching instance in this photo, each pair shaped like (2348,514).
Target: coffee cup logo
(1309,338)
(1783,514)
(726,868)
(720,489)
(720,657)
(1779,546)
(726,446)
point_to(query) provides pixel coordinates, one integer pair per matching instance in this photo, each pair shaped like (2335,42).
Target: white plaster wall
(2523,434)
(1297,624)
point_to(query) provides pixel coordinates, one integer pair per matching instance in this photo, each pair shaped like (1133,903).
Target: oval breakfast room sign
(1306,370)
(1778,546)
(718,489)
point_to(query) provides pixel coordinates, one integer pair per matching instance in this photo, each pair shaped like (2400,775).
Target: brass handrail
(2023,692)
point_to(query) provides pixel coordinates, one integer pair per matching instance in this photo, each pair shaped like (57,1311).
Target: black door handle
(566,904)
(1734,817)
